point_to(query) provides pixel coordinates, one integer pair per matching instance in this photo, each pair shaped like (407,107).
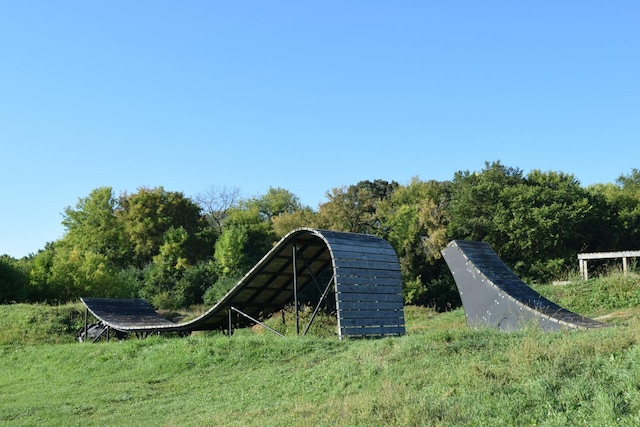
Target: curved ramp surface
(365,275)
(493,296)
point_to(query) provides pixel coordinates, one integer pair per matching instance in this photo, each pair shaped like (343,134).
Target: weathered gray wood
(375,256)
(609,255)
(368,264)
(357,305)
(365,272)
(371,321)
(355,259)
(380,330)
(368,281)
(136,312)
(364,249)
(584,257)
(380,314)
(494,296)
(368,288)
(368,299)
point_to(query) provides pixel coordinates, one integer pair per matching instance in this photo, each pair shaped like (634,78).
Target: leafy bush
(14,280)
(219,289)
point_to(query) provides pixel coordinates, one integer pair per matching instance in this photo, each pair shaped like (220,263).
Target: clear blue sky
(307,96)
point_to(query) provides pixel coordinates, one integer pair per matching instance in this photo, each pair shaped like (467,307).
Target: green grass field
(440,373)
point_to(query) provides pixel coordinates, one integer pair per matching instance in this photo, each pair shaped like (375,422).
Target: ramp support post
(86,322)
(295,287)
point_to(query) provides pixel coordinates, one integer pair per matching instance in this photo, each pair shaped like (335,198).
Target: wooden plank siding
(380,305)
(368,290)
(365,275)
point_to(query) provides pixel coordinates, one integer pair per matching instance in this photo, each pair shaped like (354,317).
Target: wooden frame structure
(585,257)
(365,278)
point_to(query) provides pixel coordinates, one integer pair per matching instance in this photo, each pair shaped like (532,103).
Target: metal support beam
(315,311)
(105,329)
(254,320)
(86,323)
(295,287)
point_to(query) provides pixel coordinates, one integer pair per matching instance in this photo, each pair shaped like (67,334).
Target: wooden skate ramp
(493,296)
(364,274)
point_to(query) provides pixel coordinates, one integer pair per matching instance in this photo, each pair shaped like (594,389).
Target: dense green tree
(110,246)
(355,208)
(622,230)
(246,238)
(171,281)
(248,231)
(41,287)
(167,268)
(543,223)
(93,226)
(629,212)
(219,289)
(86,261)
(276,201)
(174,251)
(148,214)
(14,279)
(281,210)
(416,217)
(195,281)
(63,273)
(474,199)
(537,223)
(86,273)
(286,222)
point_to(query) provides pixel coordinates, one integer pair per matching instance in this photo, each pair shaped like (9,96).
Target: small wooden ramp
(493,296)
(365,277)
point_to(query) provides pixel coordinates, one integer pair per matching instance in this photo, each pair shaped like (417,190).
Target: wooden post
(584,270)
(624,265)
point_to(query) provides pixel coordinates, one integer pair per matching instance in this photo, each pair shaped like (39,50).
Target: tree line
(178,251)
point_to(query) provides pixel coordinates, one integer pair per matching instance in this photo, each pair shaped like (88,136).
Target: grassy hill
(440,373)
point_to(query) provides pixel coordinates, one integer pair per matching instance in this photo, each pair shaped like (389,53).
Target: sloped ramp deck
(493,296)
(365,275)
